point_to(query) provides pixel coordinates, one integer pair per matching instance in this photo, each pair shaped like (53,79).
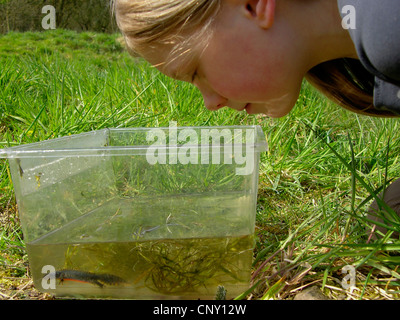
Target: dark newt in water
(99,279)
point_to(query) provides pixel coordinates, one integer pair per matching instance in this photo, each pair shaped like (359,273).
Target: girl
(254,54)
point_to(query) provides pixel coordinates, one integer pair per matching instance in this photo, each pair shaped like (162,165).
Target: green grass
(323,167)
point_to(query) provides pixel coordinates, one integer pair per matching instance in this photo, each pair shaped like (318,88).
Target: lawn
(323,168)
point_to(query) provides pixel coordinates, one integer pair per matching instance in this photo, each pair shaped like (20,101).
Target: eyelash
(194,76)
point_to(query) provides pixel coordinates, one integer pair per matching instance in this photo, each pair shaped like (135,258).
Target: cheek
(241,73)
(241,82)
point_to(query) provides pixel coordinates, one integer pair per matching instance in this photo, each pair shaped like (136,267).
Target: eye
(194,75)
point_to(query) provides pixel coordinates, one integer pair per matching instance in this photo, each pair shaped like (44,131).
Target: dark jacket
(376,35)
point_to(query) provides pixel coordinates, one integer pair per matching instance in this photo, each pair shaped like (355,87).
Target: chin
(279,108)
(276,115)
(274,108)
(271,112)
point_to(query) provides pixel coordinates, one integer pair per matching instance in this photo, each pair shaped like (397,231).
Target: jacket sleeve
(376,36)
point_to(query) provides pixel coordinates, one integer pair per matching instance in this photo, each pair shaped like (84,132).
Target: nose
(212,100)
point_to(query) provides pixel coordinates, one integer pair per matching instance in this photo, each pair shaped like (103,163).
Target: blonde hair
(181,24)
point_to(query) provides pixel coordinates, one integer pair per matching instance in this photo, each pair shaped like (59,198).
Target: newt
(99,279)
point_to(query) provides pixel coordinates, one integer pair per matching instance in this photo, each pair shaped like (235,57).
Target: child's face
(244,66)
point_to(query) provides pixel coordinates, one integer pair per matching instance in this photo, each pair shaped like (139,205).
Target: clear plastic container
(143,213)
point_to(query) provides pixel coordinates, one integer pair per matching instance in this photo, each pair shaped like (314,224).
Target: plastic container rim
(39,150)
